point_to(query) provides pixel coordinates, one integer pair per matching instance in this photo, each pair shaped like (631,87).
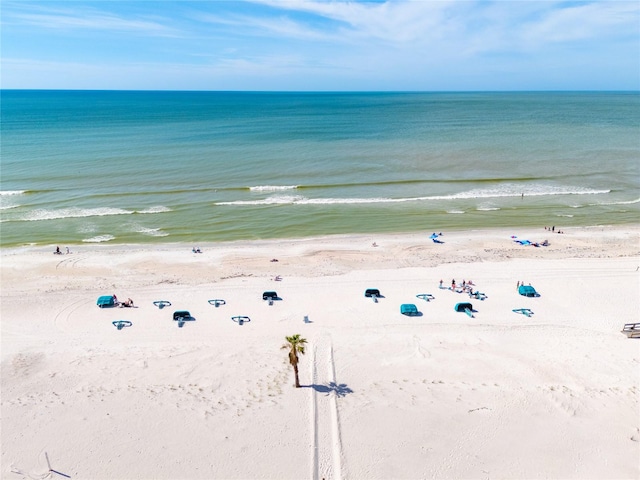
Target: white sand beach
(384,396)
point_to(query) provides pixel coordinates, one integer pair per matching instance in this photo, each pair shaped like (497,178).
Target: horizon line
(316,91)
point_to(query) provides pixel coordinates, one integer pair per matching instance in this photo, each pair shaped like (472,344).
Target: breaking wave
(99,239)
(272,188)
(499,192)
(74,212)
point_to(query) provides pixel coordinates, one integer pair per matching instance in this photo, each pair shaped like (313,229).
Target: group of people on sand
(127,303)
(553,229)
(465,287)
(57,251)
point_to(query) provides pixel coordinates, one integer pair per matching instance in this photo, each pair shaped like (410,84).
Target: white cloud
(584,21)
(394,22)
(84,19)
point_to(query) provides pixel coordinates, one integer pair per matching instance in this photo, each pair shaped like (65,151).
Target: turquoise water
(147,167)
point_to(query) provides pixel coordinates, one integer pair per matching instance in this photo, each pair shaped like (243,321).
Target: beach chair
(162,303)
(120,324)
(466,308)
(216,302)
(241,319)
(425,296)
(409,309)
(523,311)
(631,330)
(106,301)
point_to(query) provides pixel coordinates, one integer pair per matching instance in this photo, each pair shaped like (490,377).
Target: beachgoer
(374,244)
(518,285)
(440,283)
(58,252)
(453,284)
(68,251)
(115,299)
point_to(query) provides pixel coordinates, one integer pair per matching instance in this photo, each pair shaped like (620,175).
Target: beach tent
(106,301)
(631,330)
(182,315)
(270,297)
(463,307)
(527,291)
(409,309)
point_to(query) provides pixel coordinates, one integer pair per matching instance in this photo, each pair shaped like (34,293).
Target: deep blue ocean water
(148,167)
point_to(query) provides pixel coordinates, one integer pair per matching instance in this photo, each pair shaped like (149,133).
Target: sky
(320,45)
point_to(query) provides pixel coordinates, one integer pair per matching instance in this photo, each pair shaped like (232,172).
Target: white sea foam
(74,212)
(299,200)
(152,232)
(272,188)
(622,202)
(505,191)
(564,215)
(512,190)
(44,214)
(11,192)
(455,211)
(99,239)
(7,200)
(156,209)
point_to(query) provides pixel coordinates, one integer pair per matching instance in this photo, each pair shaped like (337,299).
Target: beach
(442,395)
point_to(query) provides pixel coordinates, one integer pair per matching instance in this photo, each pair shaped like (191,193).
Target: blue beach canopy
(408,309)
(106,301)
(527,291)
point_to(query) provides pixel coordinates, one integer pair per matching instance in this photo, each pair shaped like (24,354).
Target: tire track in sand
(327,443)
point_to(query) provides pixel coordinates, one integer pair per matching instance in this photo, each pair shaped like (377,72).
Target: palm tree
(295,344)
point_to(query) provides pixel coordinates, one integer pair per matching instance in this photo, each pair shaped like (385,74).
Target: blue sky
(320,45)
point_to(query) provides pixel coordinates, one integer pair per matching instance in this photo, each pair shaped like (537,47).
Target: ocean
(143,167)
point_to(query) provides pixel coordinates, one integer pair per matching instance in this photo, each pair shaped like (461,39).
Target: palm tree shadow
(339,389)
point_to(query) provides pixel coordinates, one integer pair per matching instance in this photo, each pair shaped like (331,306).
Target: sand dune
(441,395)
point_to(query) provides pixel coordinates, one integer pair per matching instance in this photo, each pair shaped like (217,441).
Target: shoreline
(497,232)
(441,395)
